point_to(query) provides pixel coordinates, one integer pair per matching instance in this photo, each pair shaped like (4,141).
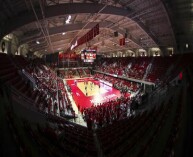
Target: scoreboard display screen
(82,56)
(88,55)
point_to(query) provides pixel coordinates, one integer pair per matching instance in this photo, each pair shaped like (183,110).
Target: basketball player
(76,82)
(91,85)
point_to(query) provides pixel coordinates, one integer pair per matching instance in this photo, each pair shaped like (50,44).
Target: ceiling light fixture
(37,42)
(63,33)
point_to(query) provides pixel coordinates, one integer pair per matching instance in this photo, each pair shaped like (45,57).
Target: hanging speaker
(115,34)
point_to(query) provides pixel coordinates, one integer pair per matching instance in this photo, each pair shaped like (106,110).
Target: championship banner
(87,37)
(122,41)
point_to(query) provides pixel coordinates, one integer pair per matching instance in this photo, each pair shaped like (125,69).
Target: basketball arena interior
(96,78)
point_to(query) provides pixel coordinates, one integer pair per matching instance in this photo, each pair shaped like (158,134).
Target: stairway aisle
(97,144)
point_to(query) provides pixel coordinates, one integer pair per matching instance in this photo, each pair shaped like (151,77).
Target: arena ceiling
(48,26)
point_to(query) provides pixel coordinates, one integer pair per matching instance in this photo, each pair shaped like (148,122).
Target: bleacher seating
(106,113)
(123,85)
(137,68)
(87,71)
(44,94)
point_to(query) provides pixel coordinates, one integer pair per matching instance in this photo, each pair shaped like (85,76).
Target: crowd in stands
(48,93)
(159,68)
(73,73)
(87,72)
(81,72)
(151,69)
(106,113)
(54,96)
(127,67)
(124,86)
(134,130)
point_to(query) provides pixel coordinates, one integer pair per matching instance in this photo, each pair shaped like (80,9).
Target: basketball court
(88,92)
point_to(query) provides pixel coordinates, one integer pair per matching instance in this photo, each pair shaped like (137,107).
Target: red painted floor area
(105,94)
